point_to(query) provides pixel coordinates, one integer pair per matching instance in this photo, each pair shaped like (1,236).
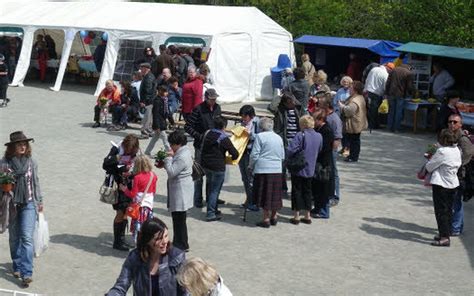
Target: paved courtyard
(376,242)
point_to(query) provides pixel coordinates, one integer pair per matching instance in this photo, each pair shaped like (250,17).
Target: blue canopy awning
(383,48)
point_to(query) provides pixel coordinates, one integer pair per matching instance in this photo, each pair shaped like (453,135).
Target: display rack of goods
(465,107)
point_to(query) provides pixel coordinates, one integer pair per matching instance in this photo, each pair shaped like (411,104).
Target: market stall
(458,62)
(332,53)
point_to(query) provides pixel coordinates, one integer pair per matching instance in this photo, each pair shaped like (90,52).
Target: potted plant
(159,159)
(7,179)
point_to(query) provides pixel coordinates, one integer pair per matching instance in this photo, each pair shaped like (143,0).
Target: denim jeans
(116,111)
(21,239)
(247,178)
(457,223)
(161,135)
(214,181)
(395,113)
(337,193)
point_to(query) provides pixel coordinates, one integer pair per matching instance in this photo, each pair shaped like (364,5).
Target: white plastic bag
(41,235)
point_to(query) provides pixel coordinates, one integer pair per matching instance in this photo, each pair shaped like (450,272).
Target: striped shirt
(291,124)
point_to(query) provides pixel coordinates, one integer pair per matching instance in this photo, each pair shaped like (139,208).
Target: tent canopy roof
(383,48)
(438,50)
(135,16)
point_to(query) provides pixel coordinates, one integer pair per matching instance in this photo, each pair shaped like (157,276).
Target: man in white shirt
(441,81)
(375,87)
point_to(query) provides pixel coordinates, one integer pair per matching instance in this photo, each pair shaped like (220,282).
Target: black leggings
(180,230)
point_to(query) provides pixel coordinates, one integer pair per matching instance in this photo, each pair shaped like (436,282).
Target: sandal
(273,222)
(294,221)
(438,243)
(305,221)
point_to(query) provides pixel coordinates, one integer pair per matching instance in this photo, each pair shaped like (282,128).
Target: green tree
(446,22)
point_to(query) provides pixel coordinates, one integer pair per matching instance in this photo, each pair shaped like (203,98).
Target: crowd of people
(310,126)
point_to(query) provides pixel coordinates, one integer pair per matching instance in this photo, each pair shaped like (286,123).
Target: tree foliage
(446,22)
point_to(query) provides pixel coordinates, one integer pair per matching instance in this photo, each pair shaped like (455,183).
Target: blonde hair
(320,76)
(197,276)
(142,164)
(109,81)
(346,78)
(306,121)
(304,57)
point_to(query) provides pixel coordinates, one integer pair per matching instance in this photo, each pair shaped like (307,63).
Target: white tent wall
(231,66)
(241,71)
(25,56)
(68,42)
(270,45)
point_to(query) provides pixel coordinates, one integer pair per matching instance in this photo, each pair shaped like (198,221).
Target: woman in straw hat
(28,201)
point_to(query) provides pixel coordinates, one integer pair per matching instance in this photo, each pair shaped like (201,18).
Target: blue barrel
(283,63)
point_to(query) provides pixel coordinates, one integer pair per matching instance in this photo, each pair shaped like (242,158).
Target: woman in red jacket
(192,92)
(142,192)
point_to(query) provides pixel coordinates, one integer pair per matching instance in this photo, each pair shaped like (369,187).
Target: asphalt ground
(377,241)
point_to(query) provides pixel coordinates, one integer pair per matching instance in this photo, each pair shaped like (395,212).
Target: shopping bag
(41,235)
(383,108)
(240,139)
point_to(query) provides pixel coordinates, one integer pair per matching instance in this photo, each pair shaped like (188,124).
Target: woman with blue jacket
(152,267)
(266,165)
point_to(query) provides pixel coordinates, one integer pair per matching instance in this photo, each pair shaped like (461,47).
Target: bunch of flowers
(103,101)
(7,176)
(430,150)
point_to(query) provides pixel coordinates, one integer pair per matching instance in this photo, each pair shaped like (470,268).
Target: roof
(136,16)
(383,48)
(438,50)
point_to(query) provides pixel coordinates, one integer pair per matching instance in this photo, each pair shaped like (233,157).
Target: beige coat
(355,115)
(309,71)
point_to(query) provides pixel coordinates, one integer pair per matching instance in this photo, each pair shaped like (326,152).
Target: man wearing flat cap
(201,120)
(147,94)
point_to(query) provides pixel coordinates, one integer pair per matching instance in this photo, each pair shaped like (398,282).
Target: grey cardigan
(180,182)
(37,195)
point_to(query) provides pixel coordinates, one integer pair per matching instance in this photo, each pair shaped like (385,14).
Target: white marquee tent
(245,42)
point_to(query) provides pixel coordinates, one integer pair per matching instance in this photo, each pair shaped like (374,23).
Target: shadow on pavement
(395,234)
(6,273)
(101,245)
(395,223)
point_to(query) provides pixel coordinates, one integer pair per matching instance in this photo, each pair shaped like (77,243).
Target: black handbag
(198,170)
(296,162)
(323,173)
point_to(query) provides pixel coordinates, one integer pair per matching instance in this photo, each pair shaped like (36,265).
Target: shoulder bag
(198,170)
(296,162)
(108,192)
